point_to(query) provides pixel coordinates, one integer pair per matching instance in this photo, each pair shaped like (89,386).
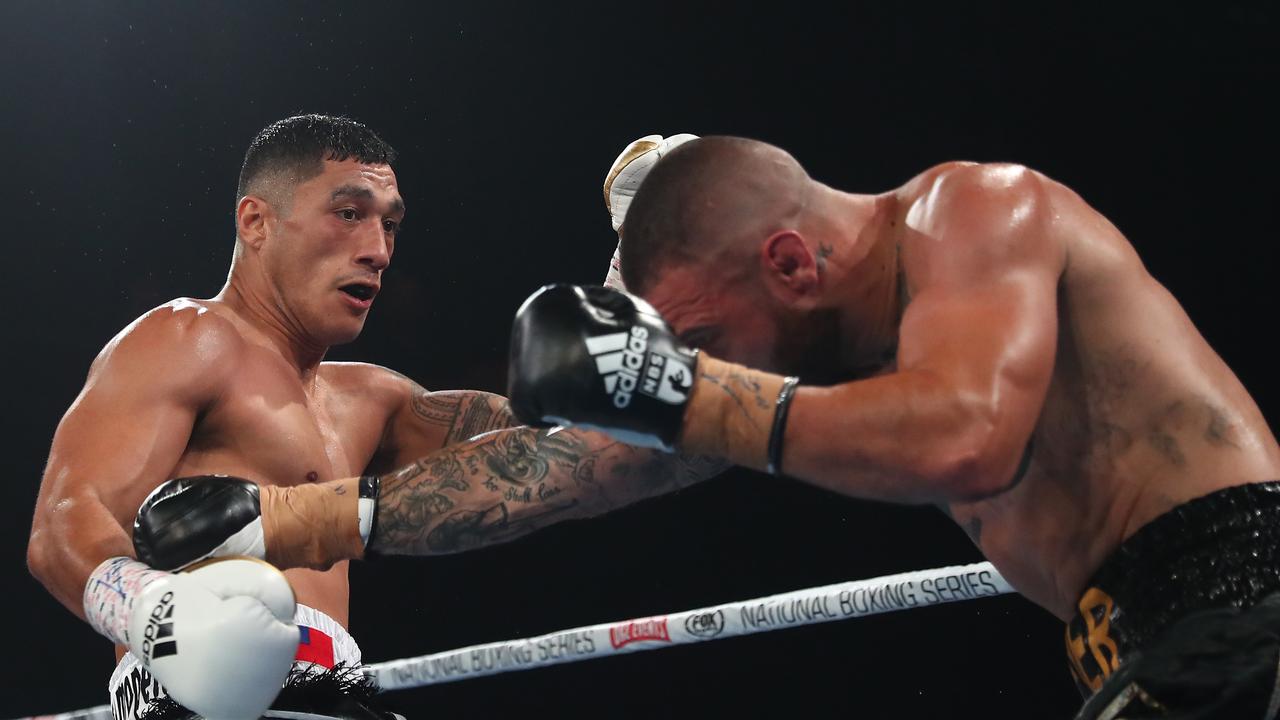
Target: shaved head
(707,201)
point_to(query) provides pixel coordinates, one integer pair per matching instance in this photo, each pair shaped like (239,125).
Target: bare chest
(271,427)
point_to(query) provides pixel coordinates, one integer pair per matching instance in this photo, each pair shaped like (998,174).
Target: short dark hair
(299,145)
(657,226)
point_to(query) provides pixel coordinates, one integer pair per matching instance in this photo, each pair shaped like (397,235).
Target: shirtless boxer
(236,385)
(979,338)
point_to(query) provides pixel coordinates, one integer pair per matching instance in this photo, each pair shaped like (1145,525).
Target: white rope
(859,598)
(801,607)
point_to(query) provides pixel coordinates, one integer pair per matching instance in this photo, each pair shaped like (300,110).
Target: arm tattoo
(465,414)
(502,485)
(746,393)
(465,495)
(432,409)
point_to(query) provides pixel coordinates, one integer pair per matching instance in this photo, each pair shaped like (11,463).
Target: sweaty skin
(1140,414)
(236,385)
(1014,313)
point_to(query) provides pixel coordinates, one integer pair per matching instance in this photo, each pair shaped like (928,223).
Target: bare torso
(1141,415)
(276,428)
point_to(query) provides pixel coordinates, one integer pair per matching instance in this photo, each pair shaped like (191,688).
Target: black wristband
(370,486)
(787,392)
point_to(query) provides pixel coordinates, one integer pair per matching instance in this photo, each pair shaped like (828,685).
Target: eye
(348,214)
(391,227)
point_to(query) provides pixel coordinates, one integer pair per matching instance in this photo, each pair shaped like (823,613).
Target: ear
(790,269)
(251,220)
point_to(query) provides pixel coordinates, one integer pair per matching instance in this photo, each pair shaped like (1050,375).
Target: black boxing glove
(600,359)
(193,518)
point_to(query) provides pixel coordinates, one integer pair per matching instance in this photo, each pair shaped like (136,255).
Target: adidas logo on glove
(159,626)
(626,367)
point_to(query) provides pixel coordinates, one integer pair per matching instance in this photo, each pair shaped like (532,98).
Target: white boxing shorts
(323,644)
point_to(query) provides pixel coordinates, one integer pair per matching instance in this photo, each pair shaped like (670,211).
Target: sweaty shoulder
(964,221)
(920,184)
(181,344)
(957,196)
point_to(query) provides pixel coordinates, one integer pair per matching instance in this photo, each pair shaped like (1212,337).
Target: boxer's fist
(219,638)
(630,168)
(305,526)
(600,359)
(623,180)
(193,518)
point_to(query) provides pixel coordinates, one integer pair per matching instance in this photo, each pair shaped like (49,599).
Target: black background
(122,132)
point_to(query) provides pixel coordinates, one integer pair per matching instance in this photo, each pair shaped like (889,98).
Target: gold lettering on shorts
(1089,639)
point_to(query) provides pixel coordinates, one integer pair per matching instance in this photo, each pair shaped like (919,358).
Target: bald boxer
(236,385)
(980,339)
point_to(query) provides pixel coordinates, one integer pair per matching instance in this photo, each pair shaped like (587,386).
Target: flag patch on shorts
(315,647)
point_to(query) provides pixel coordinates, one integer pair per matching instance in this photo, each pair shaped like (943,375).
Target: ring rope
(841,601)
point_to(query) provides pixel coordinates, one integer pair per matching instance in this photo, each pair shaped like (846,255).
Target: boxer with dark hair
(235,385)
(979,338)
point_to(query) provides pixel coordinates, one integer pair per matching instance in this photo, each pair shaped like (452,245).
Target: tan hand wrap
(730,413)
(311,526)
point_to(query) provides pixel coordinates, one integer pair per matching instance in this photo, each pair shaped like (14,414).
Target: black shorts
(1183,620)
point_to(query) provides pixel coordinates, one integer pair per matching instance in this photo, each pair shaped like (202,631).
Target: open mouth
(359,291)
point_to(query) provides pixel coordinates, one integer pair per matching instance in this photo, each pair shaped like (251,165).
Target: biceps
(433,420)
(472,413)
(116,450)
(996,342)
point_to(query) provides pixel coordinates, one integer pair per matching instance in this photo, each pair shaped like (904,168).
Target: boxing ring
(827,603)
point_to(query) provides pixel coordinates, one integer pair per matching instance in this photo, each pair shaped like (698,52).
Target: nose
(375,250)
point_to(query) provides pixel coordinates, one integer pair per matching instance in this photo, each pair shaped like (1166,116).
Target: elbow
(969,478)
(38,560)
(972,464)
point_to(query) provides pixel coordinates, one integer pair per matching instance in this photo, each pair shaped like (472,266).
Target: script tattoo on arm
(501,485)
(741,385)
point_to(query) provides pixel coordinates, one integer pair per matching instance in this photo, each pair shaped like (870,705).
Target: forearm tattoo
(744,389)
(502,485)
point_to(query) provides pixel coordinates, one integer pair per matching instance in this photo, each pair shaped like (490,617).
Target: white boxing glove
(219,637)
(623,180)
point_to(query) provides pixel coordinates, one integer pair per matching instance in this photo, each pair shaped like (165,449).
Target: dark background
(124,125)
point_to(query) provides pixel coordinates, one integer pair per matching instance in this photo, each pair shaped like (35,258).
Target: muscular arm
(120,438)
(976,350)
(424,422)
(507,483)
(466,476)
